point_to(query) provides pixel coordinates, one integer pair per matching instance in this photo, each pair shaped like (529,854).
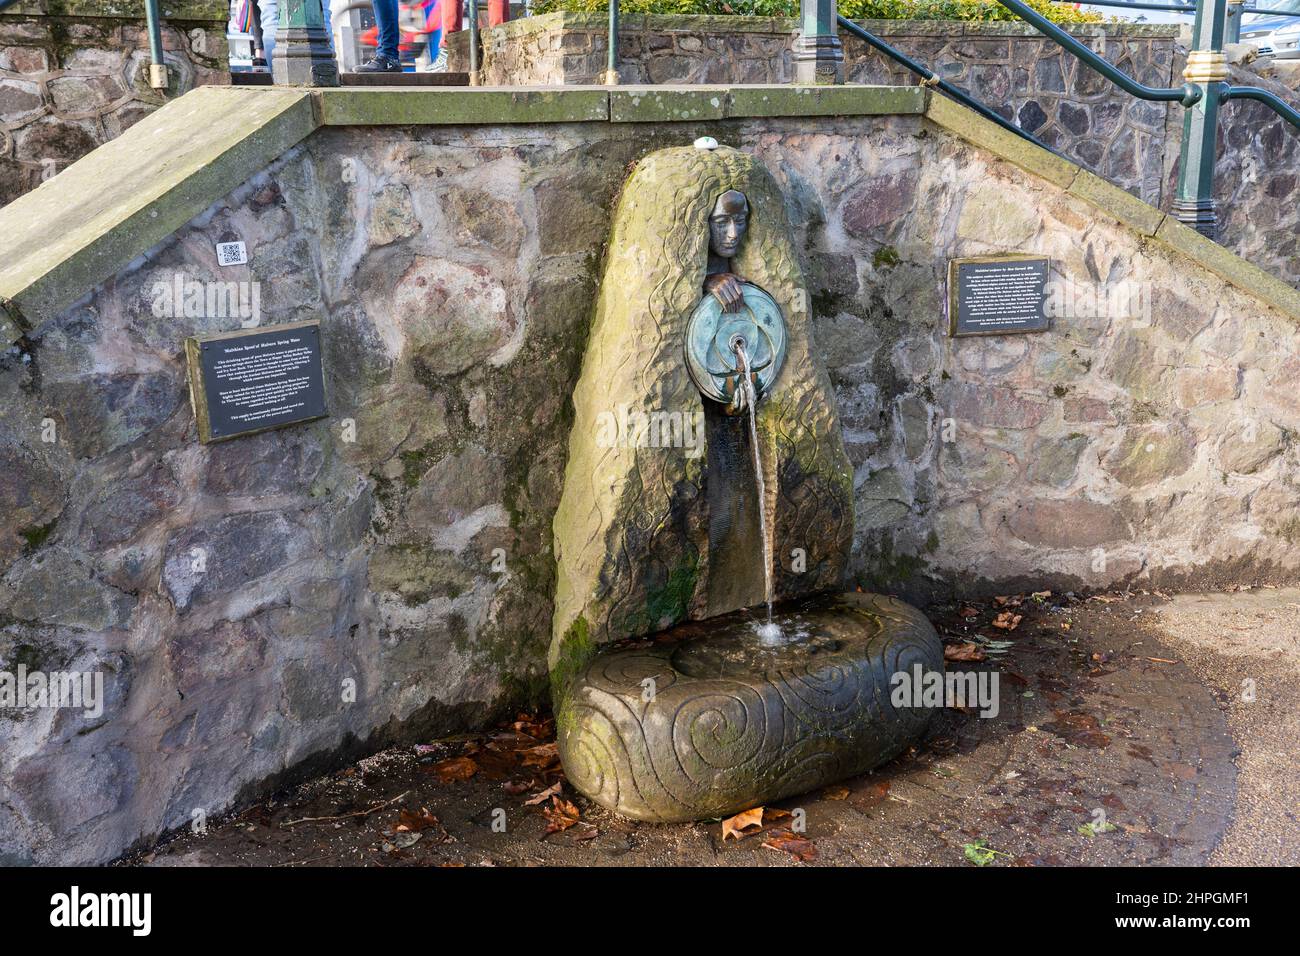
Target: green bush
(853,9)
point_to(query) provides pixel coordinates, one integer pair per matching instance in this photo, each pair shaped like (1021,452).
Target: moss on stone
(885,257)
(36,536)
(575,649)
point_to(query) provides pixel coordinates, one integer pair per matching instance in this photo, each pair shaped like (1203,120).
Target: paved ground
(1123,737)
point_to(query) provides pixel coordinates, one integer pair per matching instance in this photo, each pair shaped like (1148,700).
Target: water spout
(769,633)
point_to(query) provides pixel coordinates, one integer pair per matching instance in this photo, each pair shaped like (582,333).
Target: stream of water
(769,633)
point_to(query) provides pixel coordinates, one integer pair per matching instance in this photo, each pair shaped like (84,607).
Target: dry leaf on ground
(543,755)
(1008,621)
(551,791)
(413,821)
(457,768)
(835,793)
(560,815)
(968,651)
(737,825)
(801,848)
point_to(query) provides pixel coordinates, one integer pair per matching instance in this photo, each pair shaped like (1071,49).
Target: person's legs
(269,9)
(386,18)
(386,58)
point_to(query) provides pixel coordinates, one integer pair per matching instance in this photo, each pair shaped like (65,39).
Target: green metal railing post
(473,43)
(157,65)
(302,54)
(611,65)
(1207,69)
(818,55)
(1232,29)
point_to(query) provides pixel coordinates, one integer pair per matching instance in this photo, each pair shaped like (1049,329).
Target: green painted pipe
(154,23)
(1278,105)
(613,36)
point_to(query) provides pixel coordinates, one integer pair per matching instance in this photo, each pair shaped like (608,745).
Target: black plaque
(252,380)
(997,295)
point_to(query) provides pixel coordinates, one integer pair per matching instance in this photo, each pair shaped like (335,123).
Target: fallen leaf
(968,612)
(963,652)
(737,825)
(560,815)
(1092,829)
(543,755)
(801,848)
(410,821)
(457,768)
(980,853)
(1008,621)
(1012,600)
(1041,595)
(551,791)
(872,795)
(835,793)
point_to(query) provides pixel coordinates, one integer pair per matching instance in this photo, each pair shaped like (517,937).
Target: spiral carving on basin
(727,724)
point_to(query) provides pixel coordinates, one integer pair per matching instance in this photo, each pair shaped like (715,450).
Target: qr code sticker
(231,254)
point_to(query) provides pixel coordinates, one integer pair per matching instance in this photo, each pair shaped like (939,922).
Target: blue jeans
(386,18)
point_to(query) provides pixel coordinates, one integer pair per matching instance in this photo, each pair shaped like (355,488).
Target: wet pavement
(1122,737)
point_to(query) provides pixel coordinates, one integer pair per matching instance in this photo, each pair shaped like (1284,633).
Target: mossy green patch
(36,536)
(885,257)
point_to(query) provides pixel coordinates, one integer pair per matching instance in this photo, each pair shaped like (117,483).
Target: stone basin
(703,721)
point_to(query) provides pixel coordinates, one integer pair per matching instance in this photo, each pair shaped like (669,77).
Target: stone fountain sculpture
(707,476)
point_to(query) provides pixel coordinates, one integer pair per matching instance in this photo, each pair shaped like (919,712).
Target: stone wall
(1258,173)
(263,606)
(74,74)
(1008,66)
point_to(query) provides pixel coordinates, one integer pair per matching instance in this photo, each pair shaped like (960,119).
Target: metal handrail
(1188,94)
(1176,7)
(932,79)
(1279,105)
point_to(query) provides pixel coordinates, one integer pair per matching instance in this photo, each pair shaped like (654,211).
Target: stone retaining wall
(74,74)
(271,604)
(1008,66)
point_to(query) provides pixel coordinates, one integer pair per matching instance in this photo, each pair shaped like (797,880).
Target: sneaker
(380,64)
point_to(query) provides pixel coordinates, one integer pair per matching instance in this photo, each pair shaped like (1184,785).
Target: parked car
(1278,37)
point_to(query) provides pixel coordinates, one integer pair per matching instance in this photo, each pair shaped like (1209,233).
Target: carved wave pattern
(724,732)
